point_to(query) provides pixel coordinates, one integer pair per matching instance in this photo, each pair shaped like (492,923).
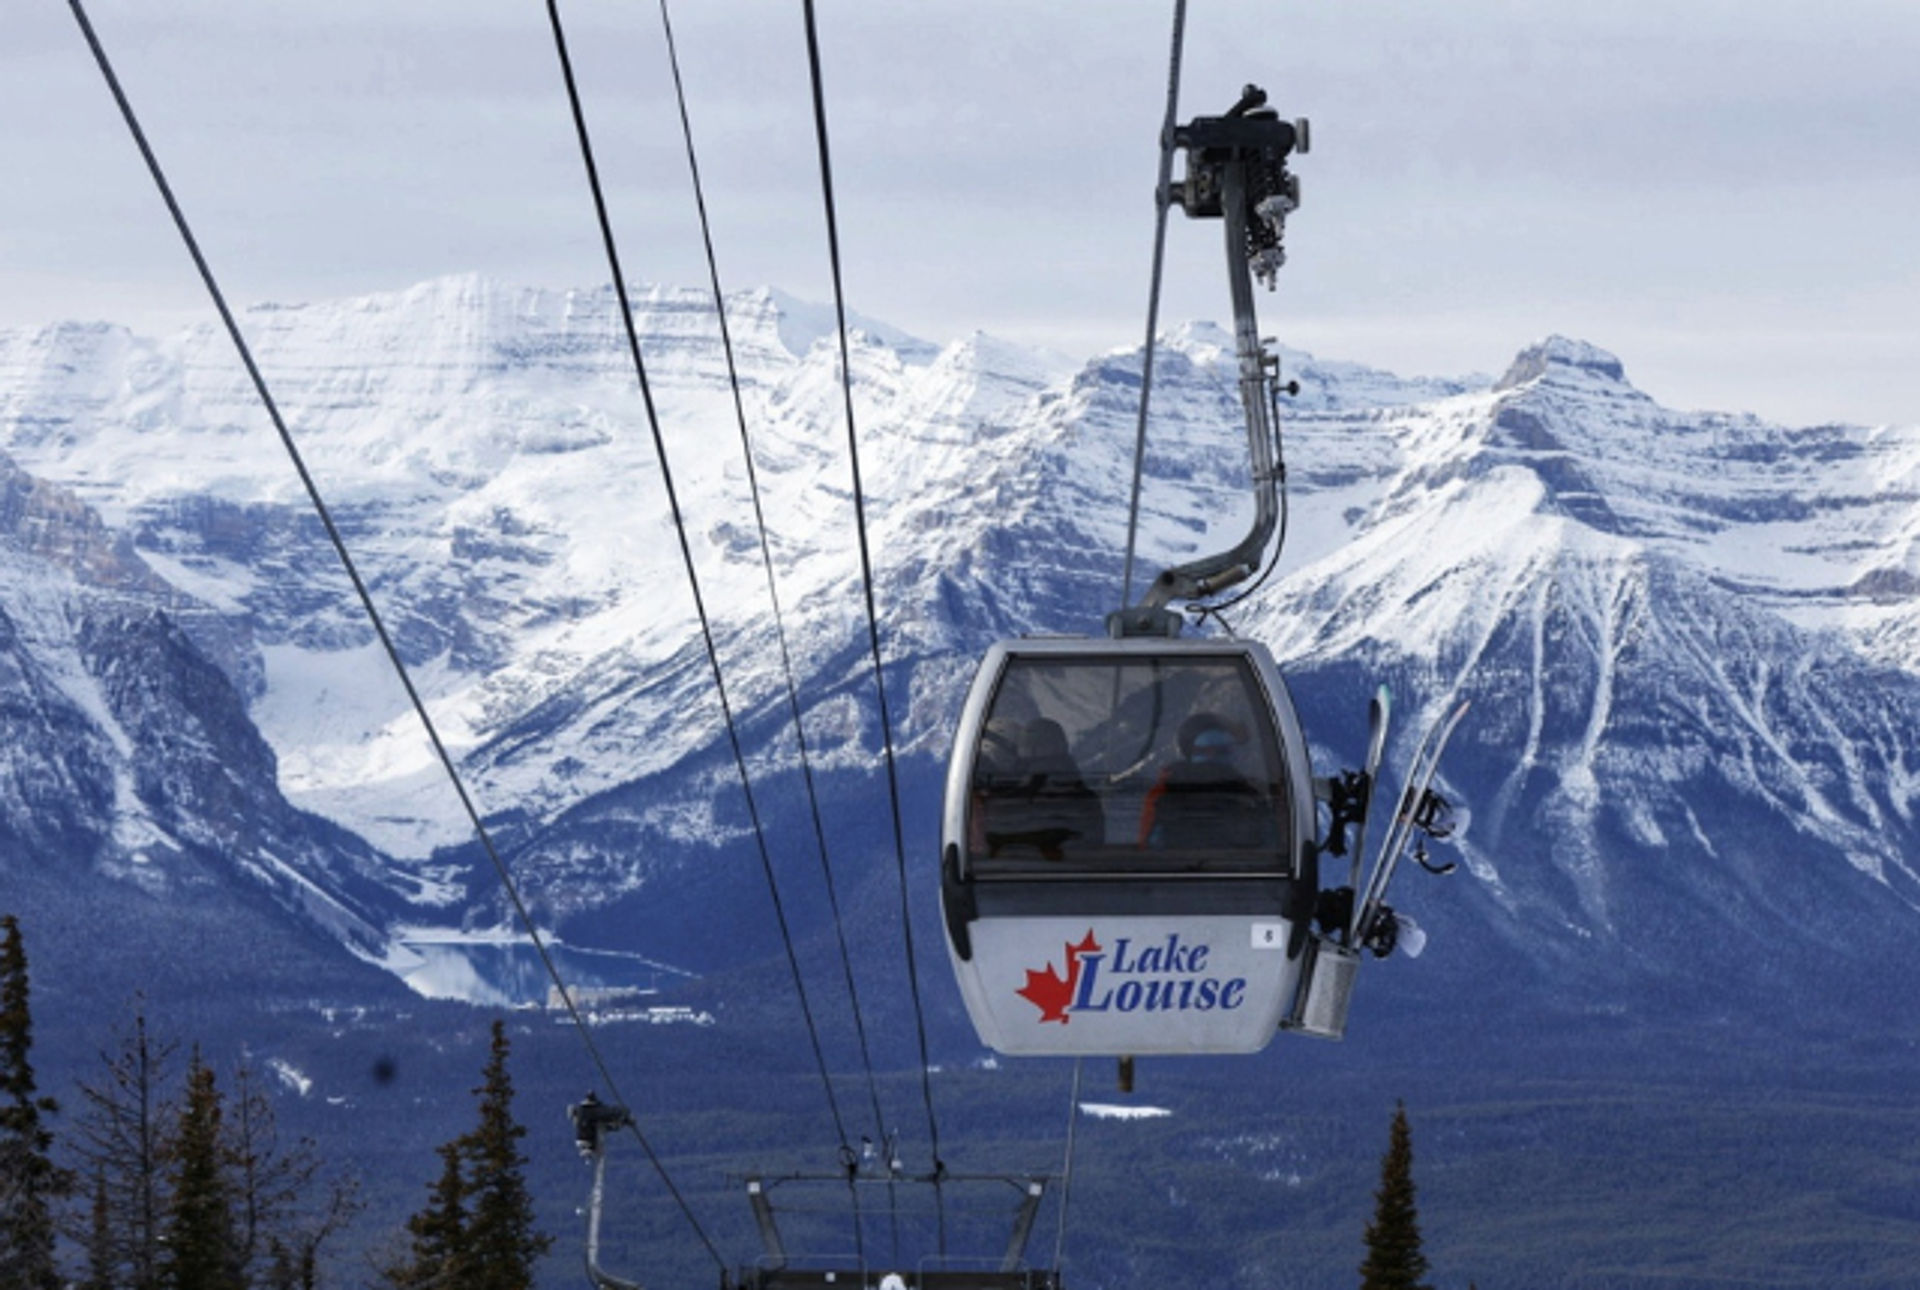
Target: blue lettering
(1169,996)
(1089,969)
(1177,985)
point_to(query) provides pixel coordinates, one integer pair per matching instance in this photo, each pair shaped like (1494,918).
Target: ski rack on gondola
(1355,918)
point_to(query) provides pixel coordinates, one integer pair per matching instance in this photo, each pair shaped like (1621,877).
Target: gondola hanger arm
(1236,172)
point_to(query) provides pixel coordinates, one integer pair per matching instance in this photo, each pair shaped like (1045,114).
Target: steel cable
(1066,1169)
(773,591)
(686,556)
(873,622)
(1163,198)
(373,614)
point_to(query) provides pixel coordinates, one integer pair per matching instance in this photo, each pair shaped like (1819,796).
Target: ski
(1360,897)
(1379,711)
(1420,776)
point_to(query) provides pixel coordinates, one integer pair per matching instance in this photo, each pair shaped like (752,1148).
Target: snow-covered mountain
(1690,638)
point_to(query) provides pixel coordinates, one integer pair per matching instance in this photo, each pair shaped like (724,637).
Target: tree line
(170,1179)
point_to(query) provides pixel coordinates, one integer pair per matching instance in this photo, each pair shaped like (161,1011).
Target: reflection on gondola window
(1143,763)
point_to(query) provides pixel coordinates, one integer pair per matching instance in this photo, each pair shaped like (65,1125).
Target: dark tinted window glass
(1146,763)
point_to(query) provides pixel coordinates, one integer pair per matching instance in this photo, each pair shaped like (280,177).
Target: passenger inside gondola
(1204,801)
(1131,764)
(1035,800)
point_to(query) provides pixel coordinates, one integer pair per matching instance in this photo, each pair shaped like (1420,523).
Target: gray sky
(1723,192)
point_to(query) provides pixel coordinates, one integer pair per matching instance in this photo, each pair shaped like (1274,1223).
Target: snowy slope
(1691,638)
(125,749)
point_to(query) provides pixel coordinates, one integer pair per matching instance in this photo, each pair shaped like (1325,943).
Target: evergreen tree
(177,1182)
(203,1246)
(476,1231)
(436,1258)
(501,1239)
(1394,1260)
(30,1183)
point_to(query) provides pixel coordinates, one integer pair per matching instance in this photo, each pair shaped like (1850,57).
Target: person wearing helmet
(1204,801)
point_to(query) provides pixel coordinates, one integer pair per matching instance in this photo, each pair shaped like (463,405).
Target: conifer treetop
(1394,1260)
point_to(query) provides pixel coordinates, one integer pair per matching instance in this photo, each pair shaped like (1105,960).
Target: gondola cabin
(1127,847)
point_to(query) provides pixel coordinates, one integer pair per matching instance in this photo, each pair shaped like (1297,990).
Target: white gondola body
(1078,921)
(1145,986)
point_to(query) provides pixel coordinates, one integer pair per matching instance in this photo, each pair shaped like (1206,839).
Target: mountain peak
(804,323)
(1575,356)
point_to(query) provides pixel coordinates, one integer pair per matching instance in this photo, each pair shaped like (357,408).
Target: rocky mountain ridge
(1688,637)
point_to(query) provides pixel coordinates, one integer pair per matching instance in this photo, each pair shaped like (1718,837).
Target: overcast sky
(1722,192)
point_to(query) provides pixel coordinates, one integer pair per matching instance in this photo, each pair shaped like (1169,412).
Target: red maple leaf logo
(1051,993)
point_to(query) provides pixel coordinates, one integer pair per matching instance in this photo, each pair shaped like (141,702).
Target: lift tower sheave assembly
(592,1121)
(780,1269)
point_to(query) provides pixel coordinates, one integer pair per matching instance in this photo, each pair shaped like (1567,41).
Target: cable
(366,603)
(686,556)
(873,621)
(773,593)
(1163,198)
(773,590)
(1066,1169)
